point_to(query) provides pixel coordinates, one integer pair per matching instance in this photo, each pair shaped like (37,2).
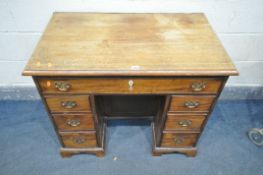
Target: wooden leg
(100,154)
(65,154)
(156,153)
(191,153)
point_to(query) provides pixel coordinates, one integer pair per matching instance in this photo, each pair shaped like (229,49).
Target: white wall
(238,23)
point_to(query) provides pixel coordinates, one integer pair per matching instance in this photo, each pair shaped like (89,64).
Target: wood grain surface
(175,122)
(82,103)
(79,140)
(63,122)
(179,103)
(129,44)
(179,140)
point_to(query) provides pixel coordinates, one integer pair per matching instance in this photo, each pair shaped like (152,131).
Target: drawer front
(131,85)
(74,122)
(184,122)
(68,103)
(79,140)
(186,103)
(179,140)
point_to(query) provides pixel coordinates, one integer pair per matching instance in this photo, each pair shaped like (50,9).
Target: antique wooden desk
(169,68)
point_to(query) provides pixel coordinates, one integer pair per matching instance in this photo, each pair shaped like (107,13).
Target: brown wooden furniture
(169,68)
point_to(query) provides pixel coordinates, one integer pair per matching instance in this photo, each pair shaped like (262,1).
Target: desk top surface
(100,44)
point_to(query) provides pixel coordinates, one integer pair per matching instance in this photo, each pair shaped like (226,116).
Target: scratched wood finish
(79,140)
(63,122)
(178,103)
(179,140)
(97,44)
(174,122)
(140,85)
(55,103)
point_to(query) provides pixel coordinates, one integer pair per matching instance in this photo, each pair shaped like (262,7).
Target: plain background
(238,24)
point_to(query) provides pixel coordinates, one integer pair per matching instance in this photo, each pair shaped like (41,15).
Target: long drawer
(130,85)
(74,122)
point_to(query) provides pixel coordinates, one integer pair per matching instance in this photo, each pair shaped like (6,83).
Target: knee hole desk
(91,67)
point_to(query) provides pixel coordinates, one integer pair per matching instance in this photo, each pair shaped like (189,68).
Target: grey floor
(28,145)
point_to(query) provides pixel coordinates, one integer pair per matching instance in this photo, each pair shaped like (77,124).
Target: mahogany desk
(169,68)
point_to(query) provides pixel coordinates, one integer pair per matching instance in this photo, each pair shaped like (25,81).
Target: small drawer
(130,85)
(74,122)
(79,140)
(68,103)
(179,140)
(191,103)
(184,122)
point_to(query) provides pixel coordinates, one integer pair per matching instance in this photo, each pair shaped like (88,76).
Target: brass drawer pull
(185,123)
(191,104)
(69,104)
(130,83)
(62,86)
(79,140)
(198,86)
(73,122)
(178,140)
